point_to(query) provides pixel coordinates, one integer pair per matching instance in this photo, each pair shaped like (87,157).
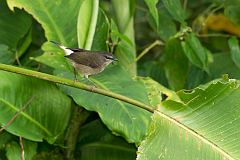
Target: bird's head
(108,57)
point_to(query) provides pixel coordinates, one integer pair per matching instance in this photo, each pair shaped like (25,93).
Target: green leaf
(153,10)
(101,33)
(223,64)
(167,28)
(53,58)
(197,76)
(175,64)
(13,27)
(234,50)
(195,52)
(205,125)
(46,115)
(5,138)
(124,38)
(124,49)
(154,70)
(6,55)
(87,20)
(102,144)
(50,15)
(125,21)
(24,43)
(175,9)
(14,150)
(233,12)
(155,91)
(129,121)
(21,21)
(124,53)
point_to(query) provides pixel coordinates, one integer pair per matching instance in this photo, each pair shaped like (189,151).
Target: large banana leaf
(46,114)
(203,126)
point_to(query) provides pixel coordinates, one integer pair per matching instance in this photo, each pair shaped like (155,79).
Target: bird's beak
(115,59)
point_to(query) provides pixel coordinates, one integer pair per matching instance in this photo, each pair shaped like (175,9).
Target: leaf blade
(153,10)
(176,10)
(195,52)
(43,122)
(201,125)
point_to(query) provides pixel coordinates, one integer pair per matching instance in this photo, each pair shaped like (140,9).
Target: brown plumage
(88,62)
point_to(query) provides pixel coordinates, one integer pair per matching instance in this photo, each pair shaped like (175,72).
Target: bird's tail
(54,42)
(66,50)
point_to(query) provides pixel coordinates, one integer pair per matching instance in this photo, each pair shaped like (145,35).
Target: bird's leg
(86,77)
(75,75)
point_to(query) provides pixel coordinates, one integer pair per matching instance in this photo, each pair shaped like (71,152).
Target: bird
(87,62)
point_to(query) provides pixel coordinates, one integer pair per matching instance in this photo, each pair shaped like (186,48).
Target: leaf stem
(22,148)
(214,35)
(72,83)
(146,50)
(79,116)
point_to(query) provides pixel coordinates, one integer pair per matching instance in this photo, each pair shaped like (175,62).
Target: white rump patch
(67,51)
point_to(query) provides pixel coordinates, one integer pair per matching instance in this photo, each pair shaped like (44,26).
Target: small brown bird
(87,62)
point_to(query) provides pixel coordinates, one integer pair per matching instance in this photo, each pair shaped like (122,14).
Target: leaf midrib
(194,133)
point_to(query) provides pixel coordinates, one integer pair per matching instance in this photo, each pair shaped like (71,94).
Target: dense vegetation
(168,97)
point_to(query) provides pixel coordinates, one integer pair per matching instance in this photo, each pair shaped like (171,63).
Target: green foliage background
(164,47)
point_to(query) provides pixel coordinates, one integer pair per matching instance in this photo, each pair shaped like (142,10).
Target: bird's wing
(84,58)
(77,50)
